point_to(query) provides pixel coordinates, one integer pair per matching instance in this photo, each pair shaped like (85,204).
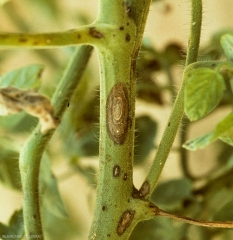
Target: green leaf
(223,131)
(15,229)
(9,168)
(171,194)
(203,92)
(227,45)
(200,142)
(25,78)
(51,199)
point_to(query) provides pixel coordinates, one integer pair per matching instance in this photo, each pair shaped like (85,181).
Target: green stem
(196,20)
(116,212)
(33,149)
(178,108)
(92,34)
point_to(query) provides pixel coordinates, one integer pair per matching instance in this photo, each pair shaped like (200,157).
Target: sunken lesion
(116,171)
(117,113)
(142,192)
(125,221)
(95,33)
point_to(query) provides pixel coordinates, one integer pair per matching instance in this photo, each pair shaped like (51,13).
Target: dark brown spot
(117,113)
(135,193)
(108,235)
(34,216)
(68,104)
(116,171)
(127,37)
(95,33)
(125,221)
(121,28)
(79,36)
(104,208)
(22,40)
(169,124)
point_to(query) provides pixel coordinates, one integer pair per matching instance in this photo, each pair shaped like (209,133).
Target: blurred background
(195,184)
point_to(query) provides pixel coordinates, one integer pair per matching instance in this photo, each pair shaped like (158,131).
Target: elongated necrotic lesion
(117,113)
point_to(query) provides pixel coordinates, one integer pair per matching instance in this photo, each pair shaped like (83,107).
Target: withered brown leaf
(14,100)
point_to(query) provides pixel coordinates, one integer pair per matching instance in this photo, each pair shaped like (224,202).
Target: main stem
(117,96)
(115,212)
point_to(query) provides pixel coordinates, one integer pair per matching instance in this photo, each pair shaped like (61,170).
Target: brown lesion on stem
(142,192)
(125,221)
(117,113)
(95,33)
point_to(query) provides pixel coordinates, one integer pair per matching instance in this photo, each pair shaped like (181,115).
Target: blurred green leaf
(9,168)
(157,228)
(51,199)
(18,123)
(15,229)
(25,78)
(87,143)
(149,91)
(146,129)
(172,53)
(203,92)
(227,45)
(171,194)
(225,213)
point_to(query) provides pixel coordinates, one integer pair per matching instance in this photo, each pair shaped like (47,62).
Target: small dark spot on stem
(127,24)
(169,124)
(34,216)
(108,235)
(79,36)
(213,65)
(95,33)
(116,171)
(127,37)
(68,104)
(125,176)
(23,40)
(135,193)
(121,28)
(104,208)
